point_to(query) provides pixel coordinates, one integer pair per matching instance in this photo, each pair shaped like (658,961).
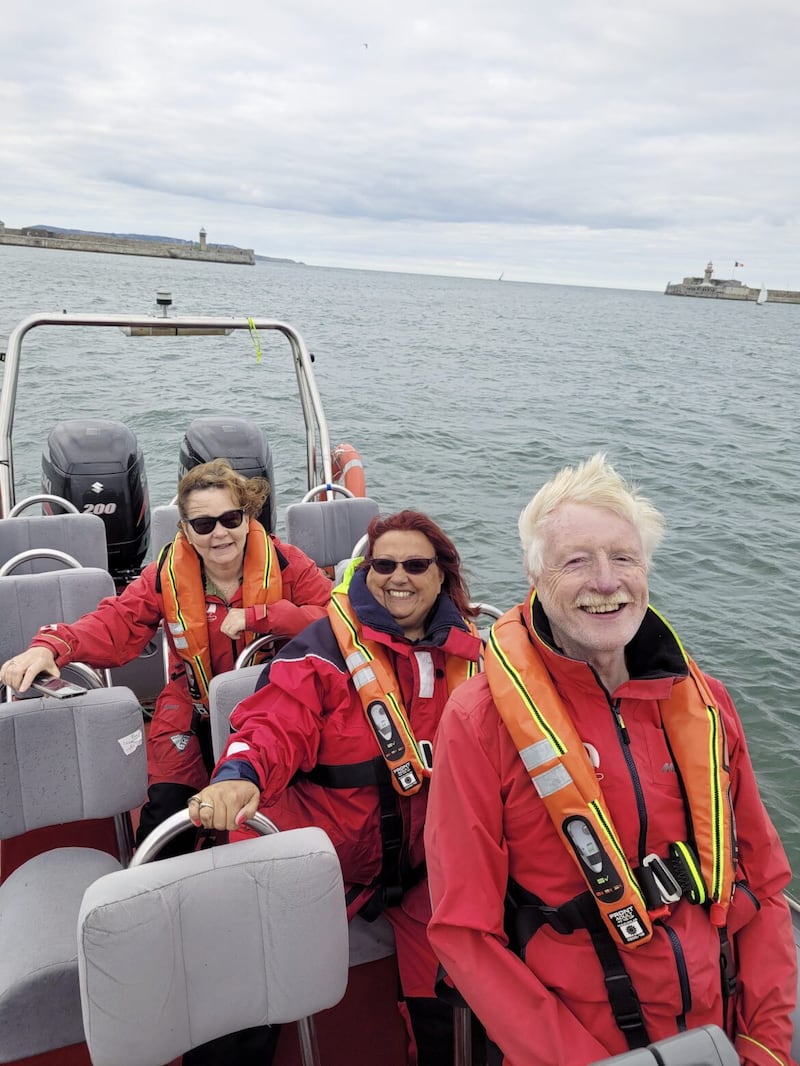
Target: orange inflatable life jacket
(183,592)
(561,772)
(409,760)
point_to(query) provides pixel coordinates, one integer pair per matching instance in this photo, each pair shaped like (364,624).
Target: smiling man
(602,869)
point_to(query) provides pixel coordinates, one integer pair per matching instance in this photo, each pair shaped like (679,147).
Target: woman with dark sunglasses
(339,735)
(221,582)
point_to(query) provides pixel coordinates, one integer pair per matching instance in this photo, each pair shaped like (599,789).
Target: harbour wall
(90,242)
(742,293)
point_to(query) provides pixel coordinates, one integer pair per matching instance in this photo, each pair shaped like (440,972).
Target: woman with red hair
(340,735)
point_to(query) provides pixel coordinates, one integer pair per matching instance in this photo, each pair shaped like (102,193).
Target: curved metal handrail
(91,676)
(178,823)
(247,654)
(317,437)
(487,609)
(42,497)
(360,547)
(330,487)
(69,561)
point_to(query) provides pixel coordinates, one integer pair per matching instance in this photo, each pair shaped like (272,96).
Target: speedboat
(96,466)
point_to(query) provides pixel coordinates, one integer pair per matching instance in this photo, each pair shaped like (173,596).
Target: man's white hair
(593,482)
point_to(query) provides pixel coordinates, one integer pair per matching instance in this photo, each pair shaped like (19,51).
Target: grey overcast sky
(597,142)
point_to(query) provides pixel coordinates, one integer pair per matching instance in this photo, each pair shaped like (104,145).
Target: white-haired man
(603,871)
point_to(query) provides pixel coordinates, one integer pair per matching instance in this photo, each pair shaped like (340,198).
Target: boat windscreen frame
(318,447)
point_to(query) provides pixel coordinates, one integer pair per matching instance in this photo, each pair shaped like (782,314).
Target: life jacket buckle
(668,888)
(426,753)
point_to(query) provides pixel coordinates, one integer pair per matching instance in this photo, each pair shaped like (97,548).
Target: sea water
(462,397)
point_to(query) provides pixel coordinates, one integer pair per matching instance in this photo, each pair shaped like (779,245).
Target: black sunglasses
(205,524)
(411,566)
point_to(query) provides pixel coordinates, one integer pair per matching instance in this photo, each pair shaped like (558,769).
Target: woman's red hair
(447,557)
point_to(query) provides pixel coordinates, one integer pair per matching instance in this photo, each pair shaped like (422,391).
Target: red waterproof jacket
(486,824)
(120,627)
(309,714)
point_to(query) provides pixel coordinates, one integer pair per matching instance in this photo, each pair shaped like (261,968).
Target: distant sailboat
(762,296)
(501,276)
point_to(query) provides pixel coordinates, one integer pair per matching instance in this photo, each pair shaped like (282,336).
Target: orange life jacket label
(560,770)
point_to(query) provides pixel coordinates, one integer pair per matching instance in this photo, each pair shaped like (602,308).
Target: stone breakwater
(91,242)
(721,291)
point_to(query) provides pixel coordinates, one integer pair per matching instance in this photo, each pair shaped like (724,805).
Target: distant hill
(278,259)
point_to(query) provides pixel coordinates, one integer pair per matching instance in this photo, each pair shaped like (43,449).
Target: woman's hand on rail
(225,805)
(19,671)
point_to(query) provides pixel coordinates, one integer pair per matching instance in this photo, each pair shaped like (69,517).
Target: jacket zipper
(683,975)
(625,742)
(674,940)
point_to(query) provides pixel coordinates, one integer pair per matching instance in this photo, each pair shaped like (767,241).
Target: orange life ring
(348,470)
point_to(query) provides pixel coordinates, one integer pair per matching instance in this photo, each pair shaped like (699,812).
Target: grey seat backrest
(706,1046)
(163,526)
(224,692)
(157,942)
(328,531)
(60,761)
(83,536)
(69,760)
(29,601)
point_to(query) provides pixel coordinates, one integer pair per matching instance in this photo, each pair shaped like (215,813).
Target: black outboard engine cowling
(97,464)
(242,443)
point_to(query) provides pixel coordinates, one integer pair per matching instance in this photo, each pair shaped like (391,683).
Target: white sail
(762,296)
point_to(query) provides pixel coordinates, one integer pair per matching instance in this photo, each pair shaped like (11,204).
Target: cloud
(645,137)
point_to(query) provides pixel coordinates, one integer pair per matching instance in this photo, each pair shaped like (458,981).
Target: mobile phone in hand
(56,686)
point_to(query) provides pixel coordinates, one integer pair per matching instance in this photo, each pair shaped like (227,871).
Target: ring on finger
(203,803)
(193,799)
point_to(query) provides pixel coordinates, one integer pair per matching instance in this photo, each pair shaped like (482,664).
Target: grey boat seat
(60,761)
(369,941)
(706,1046)
(81,536)
(328,531)
(156,946)
(163,526)
(29,601)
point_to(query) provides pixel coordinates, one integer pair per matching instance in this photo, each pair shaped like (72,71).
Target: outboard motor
(97,464)
(242,443)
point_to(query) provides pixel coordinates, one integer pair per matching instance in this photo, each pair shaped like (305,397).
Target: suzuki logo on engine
(97,487)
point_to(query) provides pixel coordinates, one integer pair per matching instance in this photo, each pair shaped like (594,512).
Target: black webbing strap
(391,842)
(395,877)
(525,913)
(347,775)
(727,966)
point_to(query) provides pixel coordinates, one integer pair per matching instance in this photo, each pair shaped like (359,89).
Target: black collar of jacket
(652,653)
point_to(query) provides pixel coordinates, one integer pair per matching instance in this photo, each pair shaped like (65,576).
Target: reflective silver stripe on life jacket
(536,754)
(354,660)
(360,671)
(363,677)
(551,781)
